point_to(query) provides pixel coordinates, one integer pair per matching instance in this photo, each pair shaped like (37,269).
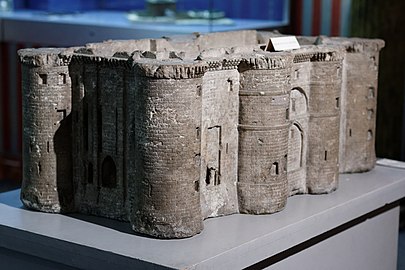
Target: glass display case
(194,12)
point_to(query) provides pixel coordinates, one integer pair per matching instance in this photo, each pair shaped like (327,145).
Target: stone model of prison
(165,133)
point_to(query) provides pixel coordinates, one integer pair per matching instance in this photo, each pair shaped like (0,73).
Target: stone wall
(98,152)
(219,142)
(299,117)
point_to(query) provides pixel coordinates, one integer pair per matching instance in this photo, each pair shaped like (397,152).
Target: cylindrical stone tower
(47,172)
(324,119)
(166,202)
(263,133)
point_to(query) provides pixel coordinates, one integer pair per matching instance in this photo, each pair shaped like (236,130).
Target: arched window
(298,103)
(108,173)
(295,148)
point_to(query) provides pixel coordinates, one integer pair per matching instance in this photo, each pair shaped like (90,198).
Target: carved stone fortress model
(165,133)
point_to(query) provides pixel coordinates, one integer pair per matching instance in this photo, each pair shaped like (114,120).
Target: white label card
(279,44)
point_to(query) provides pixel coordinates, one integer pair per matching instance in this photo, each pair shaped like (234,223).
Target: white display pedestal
(355,227)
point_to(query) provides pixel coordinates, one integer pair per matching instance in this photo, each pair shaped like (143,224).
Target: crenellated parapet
(355,45)
(319,54)
(172,70)
(42,57)
(268,61)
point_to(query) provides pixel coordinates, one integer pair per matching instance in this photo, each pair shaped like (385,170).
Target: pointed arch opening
(298,102)
(295,147)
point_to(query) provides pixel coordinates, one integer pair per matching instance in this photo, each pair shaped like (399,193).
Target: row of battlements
(196,45)
(146,56)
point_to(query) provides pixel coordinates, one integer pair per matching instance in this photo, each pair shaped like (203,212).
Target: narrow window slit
(62,78)
(230,85)
(197,186)
(149,190)
(39,168)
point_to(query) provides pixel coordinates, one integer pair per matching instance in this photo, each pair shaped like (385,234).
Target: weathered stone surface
(164,133)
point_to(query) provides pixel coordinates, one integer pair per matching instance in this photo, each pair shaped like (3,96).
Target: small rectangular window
(212,177)
(197,186)
(371,92)
(230,85)
(370,113)
(337,102)
(198,91)
(63,111)
(43,79)
(274,169)
(62,78)
(296,74)
(198,132)
(369,134)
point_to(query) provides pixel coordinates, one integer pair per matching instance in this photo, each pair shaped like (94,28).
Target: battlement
(164,133)
(43,57)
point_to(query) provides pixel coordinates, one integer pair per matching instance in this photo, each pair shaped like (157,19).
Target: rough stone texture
(165,133)
(263,137)
(359,110)
(219,143)
(47,184)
